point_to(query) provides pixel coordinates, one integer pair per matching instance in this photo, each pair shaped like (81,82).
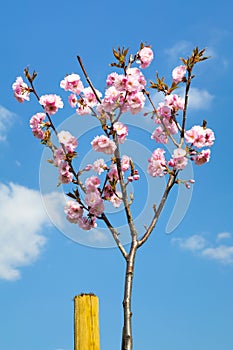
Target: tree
(126,91)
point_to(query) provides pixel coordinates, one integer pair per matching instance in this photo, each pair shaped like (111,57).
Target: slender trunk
(127,337)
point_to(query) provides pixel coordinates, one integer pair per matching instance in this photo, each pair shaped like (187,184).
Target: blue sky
(183,281)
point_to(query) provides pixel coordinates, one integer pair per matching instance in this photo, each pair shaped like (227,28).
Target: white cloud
(6,119)
(201,247)
(199,99)
(22,218)
(222,253)
(192,243)
(223,235)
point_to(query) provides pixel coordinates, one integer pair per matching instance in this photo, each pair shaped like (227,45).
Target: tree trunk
(127,337)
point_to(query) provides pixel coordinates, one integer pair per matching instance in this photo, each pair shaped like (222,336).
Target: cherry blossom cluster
(197,137)
(166,113)
(125,92)
(87,210)
(167,117)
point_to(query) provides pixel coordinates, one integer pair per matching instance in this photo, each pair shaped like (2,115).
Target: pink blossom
(133,84)
(157,163)
(65,176)
(72,83)
(87,223)
(209,137)
(159,135)
(59,155)
(73,211)
(51,103)
(112,95)
(174,101)
(72,99)
(92,183)
(88,101)
(116,199)
(36,124)
(136,177)
(103,144)
(125,163)
(38,133)
(195,136)
(199,136)
(113,174)
(88,167)
(99,166)
(170,126)
(130,178)
(121,130)
(178,74)
(95,203)
(136,102)
(135,80)
(179,159)
(164,110)
(111,79)
(90,98)
(145,56)
(202,157)
(70,142)
(21,90)
(98,208)
(120,82)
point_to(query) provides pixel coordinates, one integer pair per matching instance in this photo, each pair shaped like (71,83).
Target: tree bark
(127,337)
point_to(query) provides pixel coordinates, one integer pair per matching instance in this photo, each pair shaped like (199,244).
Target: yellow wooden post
(86,322)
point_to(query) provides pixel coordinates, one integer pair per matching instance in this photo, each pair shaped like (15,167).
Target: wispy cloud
(198,245)
(200,99)
(223,235)
(222,253)
(193,243)
(6,120)
(22,218)
(180,49)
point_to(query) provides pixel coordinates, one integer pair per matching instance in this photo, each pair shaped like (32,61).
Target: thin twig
(115,235)
(157,212)
(88,79)
(185,106)
(130,221)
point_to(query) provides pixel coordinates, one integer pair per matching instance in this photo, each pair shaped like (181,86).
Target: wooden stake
(86,322)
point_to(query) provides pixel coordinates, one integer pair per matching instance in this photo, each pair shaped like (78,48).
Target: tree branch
(185,107)
(170,183)
(115,235)
(130,221)
(88,79)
